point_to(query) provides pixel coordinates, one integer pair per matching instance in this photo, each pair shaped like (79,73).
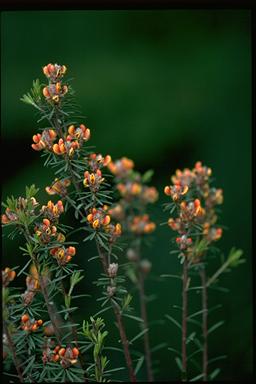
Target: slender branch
(184,319)
(50,307)
(204,323)
(121,328)
(217,273)
(13,351)
(143,311)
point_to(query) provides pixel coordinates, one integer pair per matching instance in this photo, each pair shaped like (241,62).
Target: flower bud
(112,269)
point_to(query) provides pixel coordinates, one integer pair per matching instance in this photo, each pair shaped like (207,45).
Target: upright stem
(143,311)
(184,319)
(49,305)
(120,324)
(13,351)
(204,323)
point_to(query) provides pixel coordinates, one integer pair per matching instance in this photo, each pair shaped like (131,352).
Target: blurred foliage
(165,88)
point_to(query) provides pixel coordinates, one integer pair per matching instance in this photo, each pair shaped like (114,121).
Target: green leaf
(198,377)
(133,317)
(139,335)
(179,363)
(147,176)
(173,321)
(139,364)
(214,374)
(215,326)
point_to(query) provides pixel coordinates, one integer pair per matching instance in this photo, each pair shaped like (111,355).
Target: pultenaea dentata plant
(40,336)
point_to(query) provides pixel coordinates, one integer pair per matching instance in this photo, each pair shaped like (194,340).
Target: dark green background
(165,88)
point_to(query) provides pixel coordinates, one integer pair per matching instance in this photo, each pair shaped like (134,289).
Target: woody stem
(184,319)
(49,305)
(13,351)
(204,323)
(120,324)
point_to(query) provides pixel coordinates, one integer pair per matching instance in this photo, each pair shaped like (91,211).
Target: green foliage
(94,332)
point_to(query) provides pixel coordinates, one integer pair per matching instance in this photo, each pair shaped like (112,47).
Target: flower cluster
(98,217)
(53,211)
(8,275)
(195,201)
(67,356)
(47,232)
(93,180)
(30,325)
(66,145)
(142,225)
(44,140)
(97,161)
(63,255)
(22,206)
(135,195)
(58,187)
(54,91)
(121,167)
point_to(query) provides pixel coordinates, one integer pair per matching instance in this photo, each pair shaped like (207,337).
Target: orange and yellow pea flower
(98,217)
(59,187)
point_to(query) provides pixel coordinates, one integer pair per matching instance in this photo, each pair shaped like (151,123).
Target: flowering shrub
(110,201)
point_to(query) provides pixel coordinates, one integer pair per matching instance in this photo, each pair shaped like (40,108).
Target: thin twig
(143,312)
(204,323)
(184,319)
(13,351)
(50,307)
(121,328)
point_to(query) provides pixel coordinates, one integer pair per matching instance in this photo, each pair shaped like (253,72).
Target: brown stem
(13,351)
(50,307)
(143,311)
(184,319)
(204,323)
(121,328)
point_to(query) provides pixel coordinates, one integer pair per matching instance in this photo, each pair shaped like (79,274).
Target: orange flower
(98,217)
(58,187)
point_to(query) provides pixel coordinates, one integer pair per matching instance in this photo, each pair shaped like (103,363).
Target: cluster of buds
(195,202)
(30,325)
(142,225)
(47,232)
(53,211)
(32,283)
(7,276)
(93,180)
(121,167)
(97,161)
(114,231)
(183,242)
(58,187)
(176,191)
(44,140)
(190,211)
(67,146)
(112,270)
(54,72)
(22,205)
(81,133)
(66,356)
(98,217)
(54,90)
(63,255)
